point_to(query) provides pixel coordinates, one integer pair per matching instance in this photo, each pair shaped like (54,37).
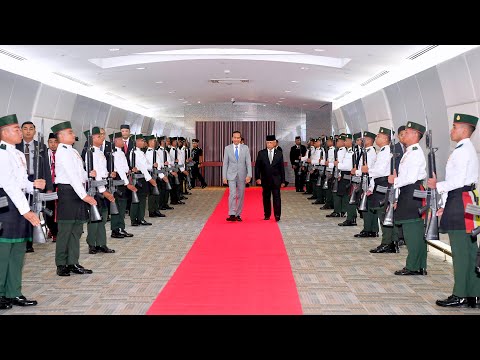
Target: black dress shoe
(474,301)
(167,207)
(453,301)
(134,223)
(372,234)
(239,218)
(333,214)
(159,214)
(401,242)
(317,203)
(385,248)
(204,186)
(143,222)
(22,301)
(152,214)
(277,218)
(124,233)
(5,303)
(62,270)
(29,250)
(266,218)
(183,198)
(92,249)
(362,234)
(117,234)
(79,269)
(232,218)
(342,214)
(104,249)
(312,198)
(325,207)
(348,223)
(405,271)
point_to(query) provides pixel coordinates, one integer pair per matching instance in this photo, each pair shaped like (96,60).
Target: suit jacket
(232,167)
(44,166)
(398,150)
(295,153)
(271,174)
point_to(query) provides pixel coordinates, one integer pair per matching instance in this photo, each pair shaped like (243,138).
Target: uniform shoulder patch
(383,149)
(368,149)
(65,146)
(3,147)
(459,146)
(415,148)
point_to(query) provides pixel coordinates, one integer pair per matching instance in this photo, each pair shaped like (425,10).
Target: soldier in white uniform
(96,232)
(151,155)
(345,165)
(328,162)
(164,160)
(121,169)
(73,201)
(16,220)
(411,175)
(458,190)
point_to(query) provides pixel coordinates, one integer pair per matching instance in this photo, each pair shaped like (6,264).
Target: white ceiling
(186,81)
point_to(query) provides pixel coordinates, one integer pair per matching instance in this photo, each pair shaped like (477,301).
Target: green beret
(330,137)
(160,138)
(420,128)
(62,126)
(137,136)
(342,137)
(348,136)
(357,136)
(149,137)
(115,135)
(8,120)
(385,131)
(466,119)
(95,131)
(369,134)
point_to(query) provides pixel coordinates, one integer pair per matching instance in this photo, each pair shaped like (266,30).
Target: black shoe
(79,269)
(348,223)
(385,248)
(333,214)
(152,214)
(179,203)
(232,218)
(342,214)
(62,270)
(372,234)
(362,234)
(124,233)
(105,249)
(29,250)
(204,186)
(405,271)
(143,222)
(239,218)
(188,193)
(474,301)
(22,301)
(108,218)
(5,303)
(159,214)
(325,207)
(92,249)
(312,198)
(453,301)
(167,207)
(401,242)
(266,218)
(135,222)
(117,234)
(277,218)
(183,198)
(317,203)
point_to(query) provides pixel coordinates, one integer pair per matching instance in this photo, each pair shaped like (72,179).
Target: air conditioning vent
(73,79)
(421,52)
(12,55)
(229,81)
(345,93)
(384,72)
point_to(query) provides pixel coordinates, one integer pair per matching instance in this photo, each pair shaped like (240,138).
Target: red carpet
(233,268)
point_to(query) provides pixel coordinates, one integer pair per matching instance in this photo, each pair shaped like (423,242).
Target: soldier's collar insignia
(459,146)
(415,148)
(65,146)
(3,147)
(382,149)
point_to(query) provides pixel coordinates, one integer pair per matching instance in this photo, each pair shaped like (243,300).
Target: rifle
(335,169)
(431,218)
(39,200)
(92,184)
(321,170)
(112,184)
(154,173)
(364,187)
(390,192)
(133,178)
(355,180)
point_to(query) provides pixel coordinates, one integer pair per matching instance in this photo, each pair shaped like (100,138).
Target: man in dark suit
(106,147)
(270,173)
(296,152)
(27,146)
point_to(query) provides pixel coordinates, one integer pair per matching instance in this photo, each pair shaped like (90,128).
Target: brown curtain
(215,135)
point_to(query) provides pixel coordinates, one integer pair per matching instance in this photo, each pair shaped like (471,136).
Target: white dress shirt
(121,164)
(412,167)
(69,169)
(149,157)
(100,166)
(345,162)
(141,162)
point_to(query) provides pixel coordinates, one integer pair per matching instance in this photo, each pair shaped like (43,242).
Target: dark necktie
(125,146)
(52,166)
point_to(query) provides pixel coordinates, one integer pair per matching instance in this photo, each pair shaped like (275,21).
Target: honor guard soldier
(459,189)
(379,173)
(345,165)
(72,210)
(138,161)
(197,157)
(152,163)
(315,157)
(340,154)
(175,154)
(296,152)
(163,163)
(411,174)
(370,217)
(16,218)
(96,232)
(329,165)
(121,169)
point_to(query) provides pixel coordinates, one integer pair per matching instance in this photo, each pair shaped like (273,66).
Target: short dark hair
(236,131)
(242,138)
(28,123)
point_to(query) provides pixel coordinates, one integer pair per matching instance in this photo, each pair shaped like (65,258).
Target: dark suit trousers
(268,192)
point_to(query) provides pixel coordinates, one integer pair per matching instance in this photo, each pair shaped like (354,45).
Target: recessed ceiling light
(140,68)
(181,99)
(304,104)
(198,102)
(172,92)
(158,82)
(287,91)
(114,49)
(294,81)
(304,68)
(280,101)
(319,49)
(282,98)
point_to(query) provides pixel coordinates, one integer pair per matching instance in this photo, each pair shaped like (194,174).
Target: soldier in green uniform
(345,165)
(459,189)
(330,158)
(16,218)
(411,175)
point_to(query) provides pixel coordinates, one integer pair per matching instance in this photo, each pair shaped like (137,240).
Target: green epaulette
(383,149)
(65,146)
(3,147)
(415,148)
(459,146)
